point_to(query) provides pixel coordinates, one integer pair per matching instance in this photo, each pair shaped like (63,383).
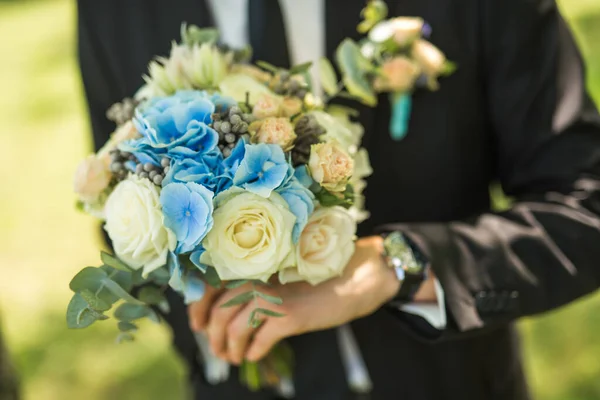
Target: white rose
(325,247)
(134,223)
(340,128)
(403,30)
(362,169)
(251,237)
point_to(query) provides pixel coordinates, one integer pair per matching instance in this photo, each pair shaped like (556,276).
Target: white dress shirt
(304,23)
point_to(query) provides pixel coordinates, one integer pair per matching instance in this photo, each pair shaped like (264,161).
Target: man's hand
(367,283)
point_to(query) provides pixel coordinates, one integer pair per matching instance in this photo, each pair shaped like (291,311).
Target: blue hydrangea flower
(301,202)
(262,170)
(214,177)
(302,175)
(188,212)
(191,287)
(178,124)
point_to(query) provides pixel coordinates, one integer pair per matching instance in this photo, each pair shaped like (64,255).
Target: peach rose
(330,166)
(431,59)
(291,106)
(91,178)
(397,75)
(267,106)
(274,131)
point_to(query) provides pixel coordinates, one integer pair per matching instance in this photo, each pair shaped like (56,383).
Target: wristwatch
(408,263)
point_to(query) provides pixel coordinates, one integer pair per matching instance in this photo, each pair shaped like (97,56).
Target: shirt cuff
(433,313)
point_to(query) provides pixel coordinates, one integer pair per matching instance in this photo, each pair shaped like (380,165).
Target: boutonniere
(394,57)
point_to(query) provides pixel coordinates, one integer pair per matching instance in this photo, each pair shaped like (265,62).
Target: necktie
(267,32)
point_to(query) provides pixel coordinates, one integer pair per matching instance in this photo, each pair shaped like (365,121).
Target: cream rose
(325,247)
(251,237)
(134,223)
(274,131)
(362,169)
(397,75)
(91,178)
(431,59)
(330,165)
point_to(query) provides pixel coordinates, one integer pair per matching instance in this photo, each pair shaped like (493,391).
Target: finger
(263,341)
(239,333)
(219,320)
(198,311)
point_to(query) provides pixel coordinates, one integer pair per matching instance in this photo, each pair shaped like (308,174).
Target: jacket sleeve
(543,252)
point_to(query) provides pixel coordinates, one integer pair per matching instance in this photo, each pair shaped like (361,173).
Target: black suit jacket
(515,112)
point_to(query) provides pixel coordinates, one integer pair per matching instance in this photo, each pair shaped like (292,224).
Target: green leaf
(131,312)
(235,284)
(120,292)
(89,278)
(160,276)
(328,77)
(267,66)
(212,278)
(270,299)
(327,199)
(301,68)
(125,337)
(151,295)
(240,299)
(354,67)
(195,35)
(374,12)
(255,323)
(114,262)
(250,375)
(94,301)
(78,315)
(270,313)
(126,326)
(153,316)
(449,68)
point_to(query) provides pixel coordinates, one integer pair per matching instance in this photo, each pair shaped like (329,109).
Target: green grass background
(43,241)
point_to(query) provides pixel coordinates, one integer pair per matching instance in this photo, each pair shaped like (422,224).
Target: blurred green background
(43,241)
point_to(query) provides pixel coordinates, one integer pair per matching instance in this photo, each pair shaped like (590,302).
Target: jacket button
(483,302)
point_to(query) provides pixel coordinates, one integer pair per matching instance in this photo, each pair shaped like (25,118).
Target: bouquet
(225,173)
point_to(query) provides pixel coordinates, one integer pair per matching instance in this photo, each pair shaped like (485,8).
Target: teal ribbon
(401,109)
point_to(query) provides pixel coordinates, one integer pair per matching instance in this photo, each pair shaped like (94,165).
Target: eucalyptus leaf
(89,278)
(126,326)
(270,299)
(76,317)
(240,299)
(122,278)
(131,312)
(119,291)
(251,375)
(114,262)
(328,77)
(153,316)
(268,312)
(151,295)
(235,284)
(354,67)
(267,66)
(94,301)
(125,337)
(160,276)
(301,68)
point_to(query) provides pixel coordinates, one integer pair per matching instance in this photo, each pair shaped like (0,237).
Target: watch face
(398,250)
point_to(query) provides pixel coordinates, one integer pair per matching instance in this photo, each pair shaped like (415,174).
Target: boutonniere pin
(394,57)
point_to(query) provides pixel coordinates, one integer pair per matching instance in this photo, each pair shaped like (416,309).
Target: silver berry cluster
(118,159)
(231,125)
(285,84)
(123,111)
(155,173)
